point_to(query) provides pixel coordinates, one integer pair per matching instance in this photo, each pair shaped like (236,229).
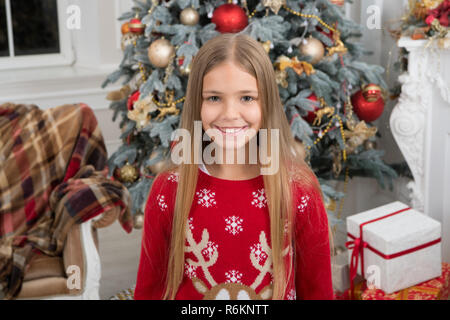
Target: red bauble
(366,110)
(311,114)
(136,26)
(372,92)
(132,99)
(229,18)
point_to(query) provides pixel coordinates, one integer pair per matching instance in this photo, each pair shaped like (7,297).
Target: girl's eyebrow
(242,91)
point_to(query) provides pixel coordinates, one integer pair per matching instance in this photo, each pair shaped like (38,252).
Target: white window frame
(66,56)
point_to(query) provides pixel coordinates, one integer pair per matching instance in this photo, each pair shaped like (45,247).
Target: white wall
(97,51)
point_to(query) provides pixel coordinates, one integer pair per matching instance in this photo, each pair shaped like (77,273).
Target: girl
(225,231)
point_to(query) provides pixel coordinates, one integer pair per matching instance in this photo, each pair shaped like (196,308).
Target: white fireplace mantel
(420,124)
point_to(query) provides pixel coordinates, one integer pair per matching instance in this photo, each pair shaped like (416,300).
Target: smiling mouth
(232,131)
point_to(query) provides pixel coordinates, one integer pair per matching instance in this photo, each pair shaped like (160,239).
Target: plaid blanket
(52,175)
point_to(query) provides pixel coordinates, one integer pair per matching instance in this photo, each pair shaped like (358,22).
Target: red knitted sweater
(228,250)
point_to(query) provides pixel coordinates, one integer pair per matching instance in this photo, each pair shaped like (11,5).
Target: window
(33,34)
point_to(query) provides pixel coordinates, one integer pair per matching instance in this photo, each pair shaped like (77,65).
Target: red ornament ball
(366,106)
(311,114)
(229,18)
(372,92)
(136,26)
(132,99)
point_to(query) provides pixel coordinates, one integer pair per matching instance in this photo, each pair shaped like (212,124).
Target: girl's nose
(230,111)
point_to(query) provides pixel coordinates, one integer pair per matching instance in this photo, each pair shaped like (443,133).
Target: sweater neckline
(227,181)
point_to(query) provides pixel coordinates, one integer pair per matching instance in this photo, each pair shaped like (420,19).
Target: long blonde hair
(249,54)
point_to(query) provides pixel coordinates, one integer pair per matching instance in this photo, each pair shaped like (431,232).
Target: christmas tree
(330,98)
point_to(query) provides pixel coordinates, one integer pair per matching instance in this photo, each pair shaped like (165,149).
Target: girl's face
(231,105)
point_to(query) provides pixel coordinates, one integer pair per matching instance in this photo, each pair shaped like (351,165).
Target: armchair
(49,278)
(53,185)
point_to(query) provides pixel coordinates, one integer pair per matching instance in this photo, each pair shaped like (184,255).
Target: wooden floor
(119,256)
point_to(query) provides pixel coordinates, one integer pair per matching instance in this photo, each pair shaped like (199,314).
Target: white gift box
(340,272)
(402,247)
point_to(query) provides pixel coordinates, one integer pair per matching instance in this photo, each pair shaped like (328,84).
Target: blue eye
(252,99)
(209,99)
(244,97)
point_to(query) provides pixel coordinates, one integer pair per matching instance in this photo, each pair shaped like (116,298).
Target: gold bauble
(189,17)
(313,48)
(160,53)
(128,173)
(138,220)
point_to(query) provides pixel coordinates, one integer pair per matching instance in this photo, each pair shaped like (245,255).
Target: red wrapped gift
(435,289)
(359,288)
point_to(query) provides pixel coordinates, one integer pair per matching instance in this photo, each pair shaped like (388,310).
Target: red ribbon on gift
(358,245)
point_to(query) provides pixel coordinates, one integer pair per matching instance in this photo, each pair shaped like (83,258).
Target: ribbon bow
(358,246)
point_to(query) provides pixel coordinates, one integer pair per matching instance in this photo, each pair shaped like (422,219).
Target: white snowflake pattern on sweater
(190,270)
(173,177)
(259,198)
(234,225)
(233,276)
(258,252)
(190,223)
(292,295)
(161,202)
(304,201)
(206,198)
(211,247)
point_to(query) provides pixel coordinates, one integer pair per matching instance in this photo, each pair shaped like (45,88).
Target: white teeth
(231,130)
